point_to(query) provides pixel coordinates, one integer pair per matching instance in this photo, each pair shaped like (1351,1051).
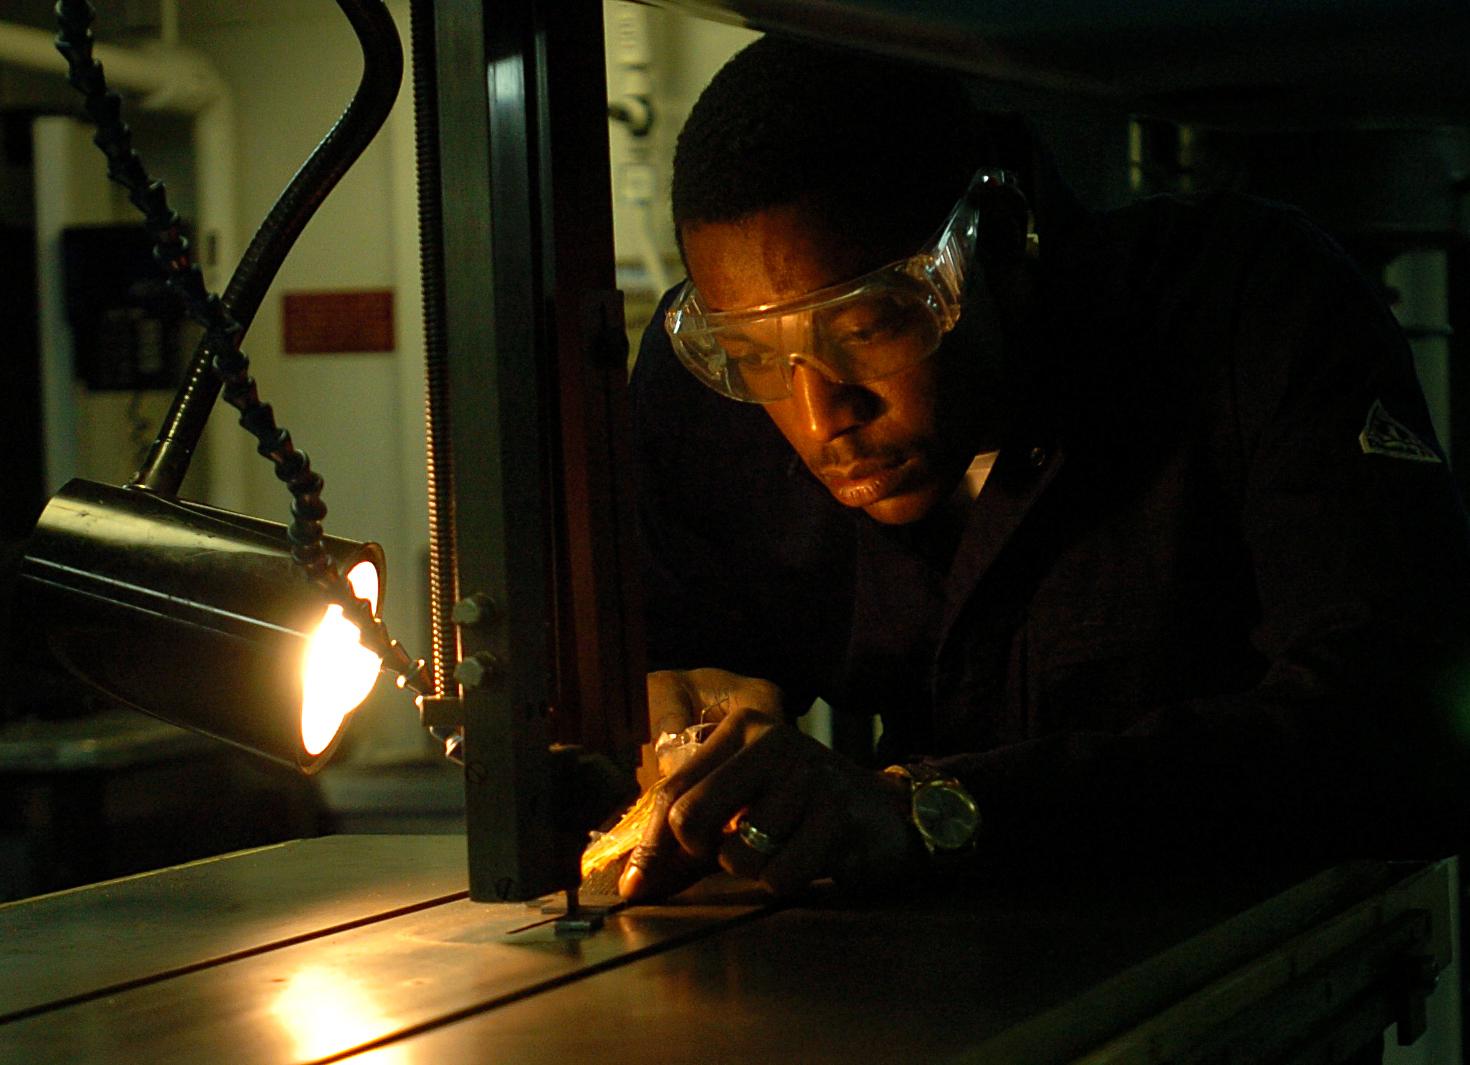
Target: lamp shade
(200,617)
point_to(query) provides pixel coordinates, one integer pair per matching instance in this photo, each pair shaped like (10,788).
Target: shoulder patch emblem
(1384,434)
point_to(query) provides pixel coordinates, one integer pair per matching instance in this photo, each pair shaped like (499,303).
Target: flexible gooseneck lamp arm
(218,361)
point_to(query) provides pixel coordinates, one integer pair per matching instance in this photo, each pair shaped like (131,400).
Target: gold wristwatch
(940,809)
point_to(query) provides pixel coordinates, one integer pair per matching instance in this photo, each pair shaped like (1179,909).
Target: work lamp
(263,635)
(200,617)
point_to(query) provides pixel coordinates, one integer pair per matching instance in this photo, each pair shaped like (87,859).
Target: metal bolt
(477,670)
(477,609)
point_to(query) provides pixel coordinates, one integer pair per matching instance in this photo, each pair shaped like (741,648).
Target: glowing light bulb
(363,578)
(338,671)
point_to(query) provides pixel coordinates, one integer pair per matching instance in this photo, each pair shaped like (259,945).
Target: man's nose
(828,408)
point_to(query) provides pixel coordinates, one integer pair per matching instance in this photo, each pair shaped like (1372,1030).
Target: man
(1131,528)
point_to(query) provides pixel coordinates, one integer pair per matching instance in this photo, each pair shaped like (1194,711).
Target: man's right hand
(814,813)
(677,699)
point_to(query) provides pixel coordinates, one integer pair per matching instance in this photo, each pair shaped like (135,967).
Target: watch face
(945,815)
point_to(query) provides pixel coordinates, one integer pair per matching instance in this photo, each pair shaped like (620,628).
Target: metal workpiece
(371,962)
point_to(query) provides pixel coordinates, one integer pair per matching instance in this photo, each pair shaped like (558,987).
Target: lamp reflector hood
(200,617)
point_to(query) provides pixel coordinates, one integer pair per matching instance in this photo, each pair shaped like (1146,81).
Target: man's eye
(879,322)
(865,334)
(869,328)
(758,366)
(749,356)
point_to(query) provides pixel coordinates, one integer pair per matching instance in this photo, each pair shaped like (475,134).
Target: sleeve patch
(1384,434)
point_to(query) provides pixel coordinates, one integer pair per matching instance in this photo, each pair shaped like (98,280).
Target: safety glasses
(860,330)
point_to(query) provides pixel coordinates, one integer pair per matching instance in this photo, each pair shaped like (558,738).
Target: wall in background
(674,56)
(290,69)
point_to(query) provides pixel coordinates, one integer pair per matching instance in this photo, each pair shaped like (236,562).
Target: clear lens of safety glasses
(860,330)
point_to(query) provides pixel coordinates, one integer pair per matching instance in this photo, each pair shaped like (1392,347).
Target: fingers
(654,873)
(748,761)
(670,857)
(658,866)
(810,851)
(745,757)
(751,764)
(770,821)
(805,823)
(679,698)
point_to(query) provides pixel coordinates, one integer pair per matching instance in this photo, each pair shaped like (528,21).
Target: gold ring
(755,839)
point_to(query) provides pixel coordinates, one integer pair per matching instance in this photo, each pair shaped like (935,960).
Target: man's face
(894,447)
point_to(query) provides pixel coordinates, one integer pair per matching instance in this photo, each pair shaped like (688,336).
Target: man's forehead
(773,255)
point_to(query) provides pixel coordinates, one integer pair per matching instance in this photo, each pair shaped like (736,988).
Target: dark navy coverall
(1191,606)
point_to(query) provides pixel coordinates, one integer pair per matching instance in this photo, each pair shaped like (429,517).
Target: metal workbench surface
(365,948)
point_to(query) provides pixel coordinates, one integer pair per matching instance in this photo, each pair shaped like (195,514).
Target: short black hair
(854,136)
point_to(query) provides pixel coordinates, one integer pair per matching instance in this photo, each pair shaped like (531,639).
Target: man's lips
(864,483)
